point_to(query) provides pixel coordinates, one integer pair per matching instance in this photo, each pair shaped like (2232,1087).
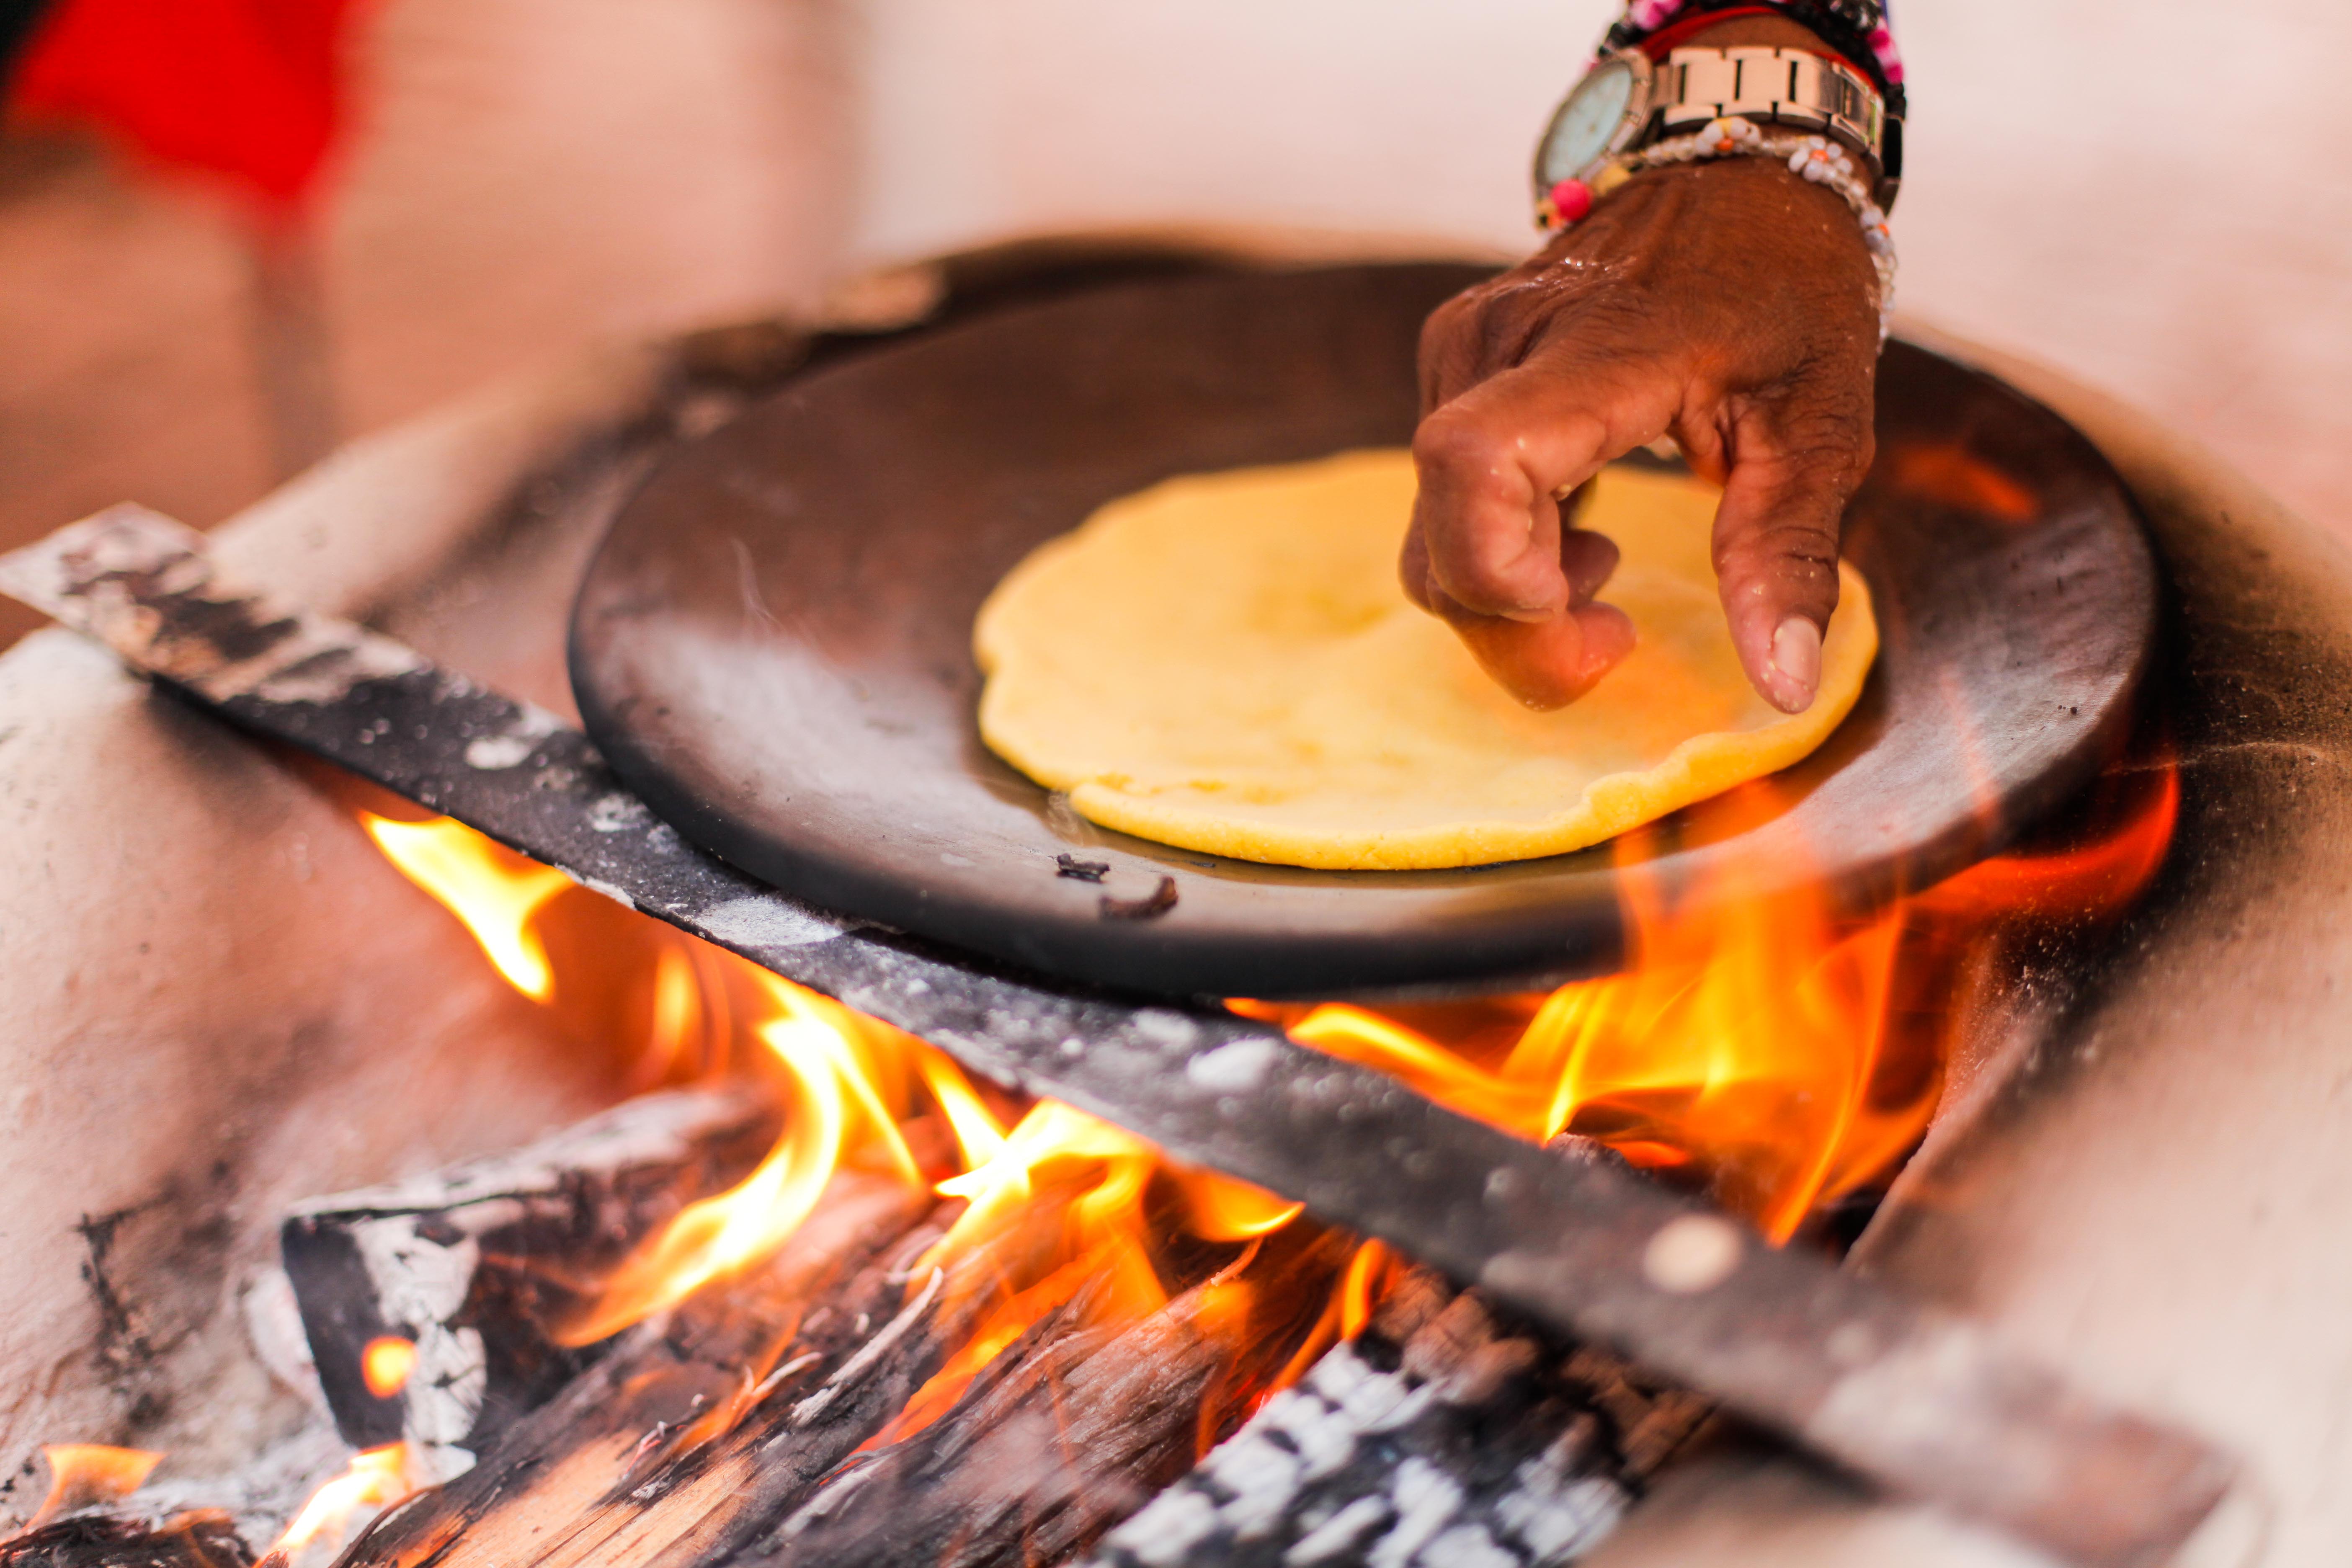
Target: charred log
(478,1267)
(1066,1433)
(195,1539)
(1442,1434)
(609,1469)
(692,1439)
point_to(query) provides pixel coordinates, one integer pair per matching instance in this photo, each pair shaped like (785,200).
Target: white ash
(1396,1468)
(767,921)
(1233,1069)
(1339,1534)
(497,754)
(420,1285)
(617,813)
(614,892)
(273,1325)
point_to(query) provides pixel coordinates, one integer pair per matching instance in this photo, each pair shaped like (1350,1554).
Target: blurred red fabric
(249,90)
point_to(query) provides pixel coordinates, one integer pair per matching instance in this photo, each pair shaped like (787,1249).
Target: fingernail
(1797,661)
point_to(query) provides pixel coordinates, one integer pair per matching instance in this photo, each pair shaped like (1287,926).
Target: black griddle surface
(773,644)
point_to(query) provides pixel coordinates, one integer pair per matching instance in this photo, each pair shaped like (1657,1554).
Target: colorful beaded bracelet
(1815,158)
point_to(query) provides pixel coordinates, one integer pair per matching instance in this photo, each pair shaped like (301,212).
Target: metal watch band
(1787,86)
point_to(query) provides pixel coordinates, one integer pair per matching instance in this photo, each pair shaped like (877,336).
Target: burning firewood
(1073,1430)
(435,1309)
(194,1540)
(1828,1360)
(1441,1433)
(646,1444)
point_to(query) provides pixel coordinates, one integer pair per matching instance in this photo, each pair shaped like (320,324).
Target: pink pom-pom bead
(1572,200)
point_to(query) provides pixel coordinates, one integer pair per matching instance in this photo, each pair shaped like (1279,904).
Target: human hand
(1731,305)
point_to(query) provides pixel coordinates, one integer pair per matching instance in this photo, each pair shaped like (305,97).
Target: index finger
(1492,462)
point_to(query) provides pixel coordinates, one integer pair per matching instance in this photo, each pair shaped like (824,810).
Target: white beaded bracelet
(1815,158)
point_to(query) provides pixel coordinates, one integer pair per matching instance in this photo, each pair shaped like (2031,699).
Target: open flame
(1770,1050)
(495,892)
(1762,1045)
(82,1474)
(849,1086)
(374,1481)
(845,1086)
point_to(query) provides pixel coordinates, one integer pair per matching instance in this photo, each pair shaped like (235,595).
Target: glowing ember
(494,891)
(386,1364)
(82,1474)
(375,1479)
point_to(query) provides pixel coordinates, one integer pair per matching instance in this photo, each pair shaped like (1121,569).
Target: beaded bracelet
(1815,158)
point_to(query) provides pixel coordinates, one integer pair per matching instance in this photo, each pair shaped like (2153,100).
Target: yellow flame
(678,1022)
(493,890)
(847,1082)
(1750,1042)
(375,1479)
(1754,1036)
(980,1138)
(82,1474)
(827,1057)
(1220,1208)
(1000,1186)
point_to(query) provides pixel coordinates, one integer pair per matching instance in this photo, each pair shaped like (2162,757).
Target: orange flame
(1108,1184)
(842,1079)
(1762,1048)
(82,1474)
(385,1364)
(375,1479)
(1757,1043)
(849,1084)
(1223,1209)
(494,891)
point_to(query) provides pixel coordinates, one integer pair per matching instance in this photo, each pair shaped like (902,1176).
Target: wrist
(1761,33)
(1750,225)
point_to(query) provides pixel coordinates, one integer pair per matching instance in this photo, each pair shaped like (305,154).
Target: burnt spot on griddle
(1079,870)
(1162,899)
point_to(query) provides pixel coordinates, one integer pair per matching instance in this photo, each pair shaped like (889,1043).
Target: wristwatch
(1627,101)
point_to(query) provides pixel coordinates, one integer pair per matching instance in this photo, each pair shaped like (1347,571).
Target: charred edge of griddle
(1447,1431)
(199,1539)
(481,1265)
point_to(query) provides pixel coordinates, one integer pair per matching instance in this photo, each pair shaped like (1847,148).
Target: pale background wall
(524,176)
(2151,193)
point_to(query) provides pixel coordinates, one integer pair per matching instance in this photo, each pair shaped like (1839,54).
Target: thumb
(1776,559)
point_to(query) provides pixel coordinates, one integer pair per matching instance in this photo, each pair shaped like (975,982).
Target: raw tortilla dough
(1226,663)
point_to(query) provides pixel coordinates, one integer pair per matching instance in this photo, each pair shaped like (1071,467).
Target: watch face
(1587,123)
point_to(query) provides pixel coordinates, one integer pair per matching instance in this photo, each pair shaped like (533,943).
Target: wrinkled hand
(1729,305)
